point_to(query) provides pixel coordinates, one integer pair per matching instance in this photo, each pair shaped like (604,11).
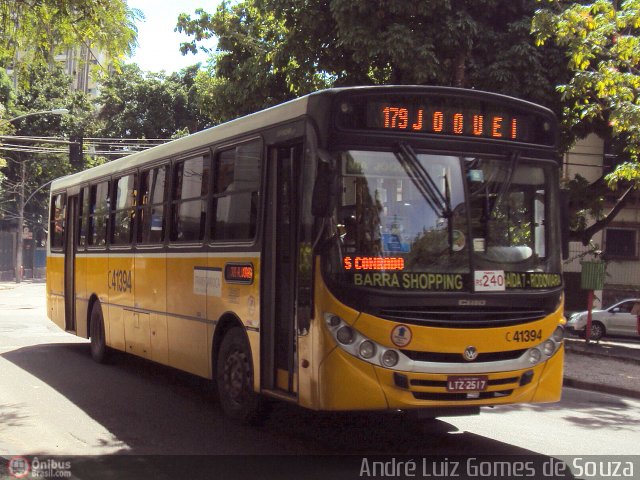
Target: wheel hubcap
(236,375)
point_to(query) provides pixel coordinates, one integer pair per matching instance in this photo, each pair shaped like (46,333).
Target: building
(618,242)
(80,63)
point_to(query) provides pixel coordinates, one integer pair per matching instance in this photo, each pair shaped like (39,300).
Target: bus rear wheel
(234,378)
(99,349)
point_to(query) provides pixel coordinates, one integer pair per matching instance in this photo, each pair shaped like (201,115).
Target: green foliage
(42,89)
(272,50)
(35,30)
(134,104)
(603,45)
(586,201)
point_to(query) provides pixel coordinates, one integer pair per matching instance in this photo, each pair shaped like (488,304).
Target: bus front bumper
(348,383)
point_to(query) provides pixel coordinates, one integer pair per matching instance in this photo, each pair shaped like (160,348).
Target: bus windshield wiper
(439,202)
(513,163)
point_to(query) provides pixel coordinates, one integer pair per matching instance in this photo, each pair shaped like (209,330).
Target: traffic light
(75,151)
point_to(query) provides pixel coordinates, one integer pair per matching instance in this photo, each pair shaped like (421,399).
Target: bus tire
(99,349)
(234,379)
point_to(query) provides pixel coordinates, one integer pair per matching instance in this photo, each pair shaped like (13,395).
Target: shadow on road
(153,410)
(583,410)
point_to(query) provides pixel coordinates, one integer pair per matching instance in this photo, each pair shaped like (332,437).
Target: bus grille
(452,317)
(460,396)
(458,358)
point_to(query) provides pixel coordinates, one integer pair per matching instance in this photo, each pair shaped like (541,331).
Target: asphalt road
(55,400)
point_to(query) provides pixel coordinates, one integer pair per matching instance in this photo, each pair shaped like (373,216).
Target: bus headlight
(558,334)
(345,335)
(534,356)
(367,349)
(355,343)
(549,347)
(390,358)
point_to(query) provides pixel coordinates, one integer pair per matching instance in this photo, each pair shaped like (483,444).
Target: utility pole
(19,232)
(23,174)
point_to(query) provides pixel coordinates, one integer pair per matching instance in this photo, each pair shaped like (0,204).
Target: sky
(158,45)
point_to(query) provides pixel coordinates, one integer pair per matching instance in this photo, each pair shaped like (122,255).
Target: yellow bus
(366,248)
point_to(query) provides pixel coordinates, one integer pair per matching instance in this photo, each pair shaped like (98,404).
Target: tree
(273,50)
(42,89)
(34,30)
(603,94)
(135,104)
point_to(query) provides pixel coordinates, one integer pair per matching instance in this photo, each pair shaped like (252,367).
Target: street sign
(592,277)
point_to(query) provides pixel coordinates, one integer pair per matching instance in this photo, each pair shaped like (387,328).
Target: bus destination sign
(446,116)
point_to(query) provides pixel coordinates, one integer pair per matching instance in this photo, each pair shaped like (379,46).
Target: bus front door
(278,325)
(69,264)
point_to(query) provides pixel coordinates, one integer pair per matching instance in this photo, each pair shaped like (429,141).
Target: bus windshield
(402,212)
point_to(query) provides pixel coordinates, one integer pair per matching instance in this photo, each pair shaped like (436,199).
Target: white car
(619,319)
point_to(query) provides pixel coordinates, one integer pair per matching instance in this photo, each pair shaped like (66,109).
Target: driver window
(626,307)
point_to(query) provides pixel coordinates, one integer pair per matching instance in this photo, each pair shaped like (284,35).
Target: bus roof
(272,116)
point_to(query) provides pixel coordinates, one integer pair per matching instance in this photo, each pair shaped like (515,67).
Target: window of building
(57,221)
(124,208)
(189,204)
(621,243)
(235,195)
(152,207)
(98,214)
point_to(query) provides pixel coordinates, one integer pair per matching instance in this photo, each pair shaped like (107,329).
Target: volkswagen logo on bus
(470,354)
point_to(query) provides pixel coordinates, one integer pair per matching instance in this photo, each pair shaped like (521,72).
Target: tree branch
(587,233)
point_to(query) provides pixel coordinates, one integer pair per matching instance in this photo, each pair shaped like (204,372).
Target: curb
(600,388)
(620,358)
(624,356)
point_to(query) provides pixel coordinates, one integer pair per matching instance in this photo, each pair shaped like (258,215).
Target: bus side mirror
(564,223)
(323,195)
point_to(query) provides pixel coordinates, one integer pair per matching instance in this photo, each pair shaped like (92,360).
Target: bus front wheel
(234,377)
(99,349)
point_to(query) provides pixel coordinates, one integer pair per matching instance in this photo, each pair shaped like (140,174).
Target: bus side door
(280,266)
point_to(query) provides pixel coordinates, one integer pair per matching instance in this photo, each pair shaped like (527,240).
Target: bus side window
(98,214)
(57,221)
(235,195)
(189,199)
(124,209)
(151,206)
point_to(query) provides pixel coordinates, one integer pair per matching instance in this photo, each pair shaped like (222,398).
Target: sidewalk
(609,366)
(8,285)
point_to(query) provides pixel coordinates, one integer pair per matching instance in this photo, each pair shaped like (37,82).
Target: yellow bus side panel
(242,300)
(159,338)
(55,290)
(550,384)
(137,333)
(254,343)
(348,385)
(307,380)
(81,298)
(150,279)
(96,278)
(188,345)
(151,332)
(182,299)
(114,324)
